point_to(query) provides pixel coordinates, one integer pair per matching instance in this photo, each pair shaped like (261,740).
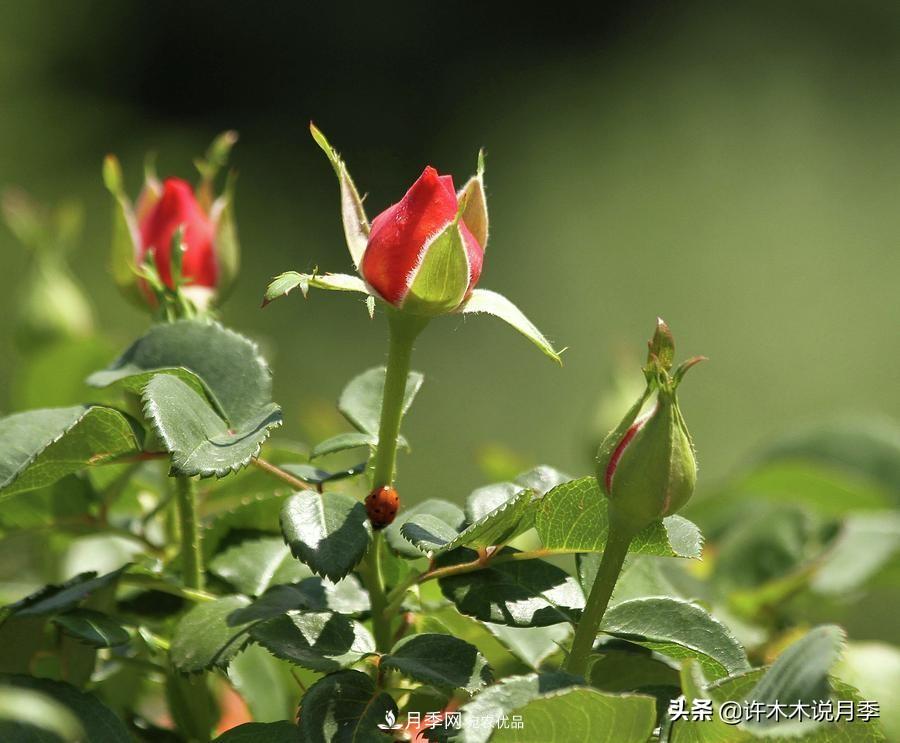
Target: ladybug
(382,505)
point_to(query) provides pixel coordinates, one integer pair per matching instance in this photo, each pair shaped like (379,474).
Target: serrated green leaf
(740,688)
(527,593)
(360,401)
(257,512)
(261,732)
(347,596)
(343,442)
(573,517)
(822,487)
(867,447)
(329,533)
(209,635)
(55,599)
(203,354)
(266,684)
(443,661)
(312,594)
(866,543)
(447,620)
(801,671)
(320,641)
(533,645)
(285,283)
(315,476)
(255,565)
(678,629)
(619,667)
(434,537)
(448,513)
(97,721)
(762,560)
(541,479)
(202,443)
(93,628)
(487,498)
(345,706)
(491,303)
(481,716)
(573,714)
(428,534)
(39,447)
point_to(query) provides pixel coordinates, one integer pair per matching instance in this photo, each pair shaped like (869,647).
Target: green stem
(374,579)
(189,697)
(403,331)
(614,554)
(155,584)
(191,555)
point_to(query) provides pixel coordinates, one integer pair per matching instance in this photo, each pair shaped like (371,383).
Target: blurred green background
(732,167)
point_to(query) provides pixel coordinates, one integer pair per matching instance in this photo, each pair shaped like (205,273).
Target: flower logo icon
(390,721)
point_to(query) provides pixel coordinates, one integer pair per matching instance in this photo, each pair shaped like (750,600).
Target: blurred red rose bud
(421,254)
(146,265)
(177,207)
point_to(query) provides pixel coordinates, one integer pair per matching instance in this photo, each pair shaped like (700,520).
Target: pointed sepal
(475,212)
(228,247)
(210,164)
(353,215)
(126,237)
(492,303)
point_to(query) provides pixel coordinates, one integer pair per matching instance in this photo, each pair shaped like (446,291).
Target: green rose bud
(647,466)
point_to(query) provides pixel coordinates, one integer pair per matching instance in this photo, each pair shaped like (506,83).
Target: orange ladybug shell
(382,505)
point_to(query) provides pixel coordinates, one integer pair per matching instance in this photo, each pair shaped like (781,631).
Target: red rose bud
(647,466)
(424,253)
(177,207)
(145,265)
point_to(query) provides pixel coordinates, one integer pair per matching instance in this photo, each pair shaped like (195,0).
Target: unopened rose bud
(423,255)
(147,233)
(177,207)
(647,466)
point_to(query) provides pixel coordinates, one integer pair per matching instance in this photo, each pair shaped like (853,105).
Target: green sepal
(126,239)
(440,281)
(475,211)
(228,248)
(210,164)
(353,214)
(491,303)
(661,348)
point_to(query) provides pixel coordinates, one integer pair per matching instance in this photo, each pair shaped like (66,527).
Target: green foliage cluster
(480,598)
